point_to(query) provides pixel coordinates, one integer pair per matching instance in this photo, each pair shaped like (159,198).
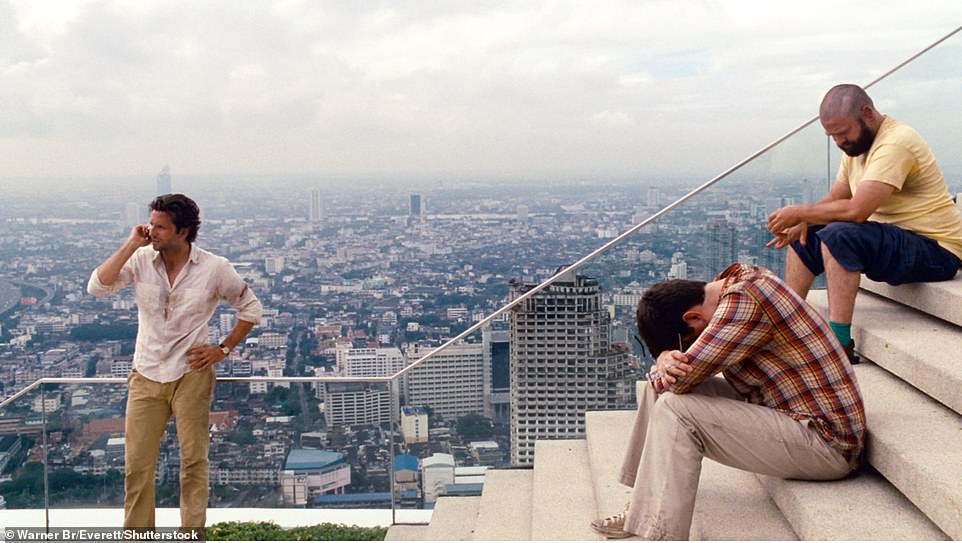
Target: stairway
(910,340)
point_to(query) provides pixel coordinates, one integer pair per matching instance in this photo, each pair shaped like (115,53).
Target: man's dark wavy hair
(660,310)
(183,212)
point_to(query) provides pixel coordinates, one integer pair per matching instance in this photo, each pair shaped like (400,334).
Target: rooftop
(312,459)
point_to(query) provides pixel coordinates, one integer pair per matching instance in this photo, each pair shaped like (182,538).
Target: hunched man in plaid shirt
(788,406)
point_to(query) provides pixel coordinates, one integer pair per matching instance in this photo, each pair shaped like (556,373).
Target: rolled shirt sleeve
(96,288)
(235,291)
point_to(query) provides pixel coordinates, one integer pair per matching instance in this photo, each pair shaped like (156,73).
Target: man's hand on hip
(204,356)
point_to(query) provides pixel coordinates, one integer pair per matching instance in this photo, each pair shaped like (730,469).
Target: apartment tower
(721,247)
(450,383)
(316,211)
(563,363)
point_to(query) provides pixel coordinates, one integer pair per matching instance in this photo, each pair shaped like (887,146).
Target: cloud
(611,119)
(437,87)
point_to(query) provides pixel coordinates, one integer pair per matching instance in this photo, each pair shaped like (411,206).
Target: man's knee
(848,244)
(139,465)
(194,466)
(672,407)
(842,231)
(193,452)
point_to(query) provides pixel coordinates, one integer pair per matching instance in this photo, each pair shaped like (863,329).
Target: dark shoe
(850,352)
(612,527)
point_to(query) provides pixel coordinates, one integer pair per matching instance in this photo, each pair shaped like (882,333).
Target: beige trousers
(673,432)
(149,407)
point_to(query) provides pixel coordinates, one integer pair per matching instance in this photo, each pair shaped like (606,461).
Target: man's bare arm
(208,355)
(857,208)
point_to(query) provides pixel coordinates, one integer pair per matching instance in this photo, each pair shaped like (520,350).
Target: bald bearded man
(888,214)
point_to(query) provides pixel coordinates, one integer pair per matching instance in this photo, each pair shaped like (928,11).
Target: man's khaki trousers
(673,432)
(149,407)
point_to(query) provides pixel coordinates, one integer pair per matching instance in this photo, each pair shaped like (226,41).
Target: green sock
(842,331)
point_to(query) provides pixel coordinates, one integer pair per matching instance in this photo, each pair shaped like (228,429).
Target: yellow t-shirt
(921,202)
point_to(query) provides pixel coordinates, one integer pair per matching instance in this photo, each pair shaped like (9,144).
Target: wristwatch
(224,349)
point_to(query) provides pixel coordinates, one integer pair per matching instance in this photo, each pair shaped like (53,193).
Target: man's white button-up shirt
(173,318)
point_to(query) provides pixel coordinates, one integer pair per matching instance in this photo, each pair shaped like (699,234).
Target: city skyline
(448,91)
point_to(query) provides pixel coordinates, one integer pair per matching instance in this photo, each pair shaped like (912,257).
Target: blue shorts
(882,252)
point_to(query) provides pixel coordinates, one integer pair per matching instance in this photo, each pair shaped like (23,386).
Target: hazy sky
(443,88)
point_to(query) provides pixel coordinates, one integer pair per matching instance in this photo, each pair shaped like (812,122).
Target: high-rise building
(163,181)
(347,404)
(450,383)
(563,363)
(721,247)
(416,209)
(378,362)
(653,197)
(317,209)
(679,268)
(497,372)
(274,265)
(769,257)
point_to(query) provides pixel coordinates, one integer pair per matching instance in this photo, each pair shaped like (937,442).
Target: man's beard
(864,142)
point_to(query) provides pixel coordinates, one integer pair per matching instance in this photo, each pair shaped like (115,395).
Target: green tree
(474,426)
(268,531)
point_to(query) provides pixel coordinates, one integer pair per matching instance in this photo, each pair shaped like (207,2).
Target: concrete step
(727,498)
(407,532)
(942,299)
(907,343)
(724,493)
(863,507)
(915,442)
(607,435)
(505,511)
(454,518)
(563,500)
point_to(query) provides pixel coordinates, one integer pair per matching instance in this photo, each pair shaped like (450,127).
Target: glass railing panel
(725,223)
(923,94)
(22,425)
(299,445)
(270,447)
(86,445)
(451,423)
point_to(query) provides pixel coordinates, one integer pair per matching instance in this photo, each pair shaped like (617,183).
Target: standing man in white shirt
(177,286)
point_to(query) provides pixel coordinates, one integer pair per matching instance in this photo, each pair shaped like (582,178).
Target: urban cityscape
(356,283)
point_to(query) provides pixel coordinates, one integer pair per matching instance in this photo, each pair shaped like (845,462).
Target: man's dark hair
(183,212)
(660,311)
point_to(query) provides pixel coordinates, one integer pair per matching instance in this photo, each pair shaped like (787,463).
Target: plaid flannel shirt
(775,350)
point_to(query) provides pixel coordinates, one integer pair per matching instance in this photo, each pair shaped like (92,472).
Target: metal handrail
(257,379)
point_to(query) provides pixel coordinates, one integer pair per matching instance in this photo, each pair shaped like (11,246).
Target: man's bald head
(850,118)
(844,101)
